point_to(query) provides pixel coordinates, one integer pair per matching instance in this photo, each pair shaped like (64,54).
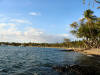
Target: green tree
(88,28)
(66,40)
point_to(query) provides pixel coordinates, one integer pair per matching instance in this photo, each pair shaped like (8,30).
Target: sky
(40,21)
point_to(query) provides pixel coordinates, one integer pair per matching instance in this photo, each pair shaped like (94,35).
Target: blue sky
(39,20)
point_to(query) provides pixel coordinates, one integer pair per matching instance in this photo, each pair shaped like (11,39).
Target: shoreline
(94,51)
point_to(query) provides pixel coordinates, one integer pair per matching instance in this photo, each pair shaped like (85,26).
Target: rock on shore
(76,70)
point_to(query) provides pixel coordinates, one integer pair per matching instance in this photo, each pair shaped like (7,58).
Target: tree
(94,1)
(88,28)
(66,40)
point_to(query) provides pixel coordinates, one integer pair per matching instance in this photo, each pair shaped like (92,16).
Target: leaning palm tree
(87,29)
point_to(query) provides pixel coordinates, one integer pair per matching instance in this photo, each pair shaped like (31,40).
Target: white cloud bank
(11,32)
(29,35)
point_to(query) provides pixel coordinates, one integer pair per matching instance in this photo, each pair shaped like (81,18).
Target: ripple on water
(37,61)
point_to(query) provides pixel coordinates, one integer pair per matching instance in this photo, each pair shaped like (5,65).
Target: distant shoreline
(94,51)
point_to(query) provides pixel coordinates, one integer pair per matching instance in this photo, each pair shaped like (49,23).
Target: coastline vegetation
(87,28)
(70,44)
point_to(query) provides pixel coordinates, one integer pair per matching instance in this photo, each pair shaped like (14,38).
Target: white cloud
(6,24)
(10,31)
(12,24)
(14,21)
(20,21)
(3,24)
(34,13)
(65,35)
(29,35)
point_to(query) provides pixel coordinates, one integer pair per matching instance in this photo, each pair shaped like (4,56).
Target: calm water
(38,61)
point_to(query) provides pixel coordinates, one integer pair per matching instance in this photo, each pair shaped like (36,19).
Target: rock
(76,69)
(60,68)
(5,70)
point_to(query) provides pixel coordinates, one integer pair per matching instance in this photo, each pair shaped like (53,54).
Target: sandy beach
(94,51)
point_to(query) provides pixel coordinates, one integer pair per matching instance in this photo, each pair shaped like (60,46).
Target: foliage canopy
(87,28)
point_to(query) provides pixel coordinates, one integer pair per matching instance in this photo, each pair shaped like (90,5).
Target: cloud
(20,21)
(34,13)
(10,31)
(6,19)
(2,24)
(37,35)
(30,34)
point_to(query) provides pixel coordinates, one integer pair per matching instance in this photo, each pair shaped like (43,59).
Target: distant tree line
(67,43)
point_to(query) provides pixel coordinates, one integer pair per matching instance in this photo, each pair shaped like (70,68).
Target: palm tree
(96,1)
(87,28)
